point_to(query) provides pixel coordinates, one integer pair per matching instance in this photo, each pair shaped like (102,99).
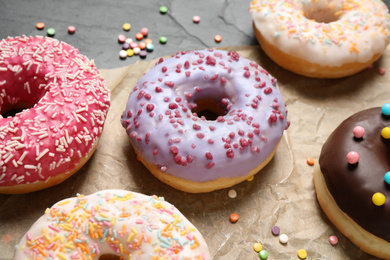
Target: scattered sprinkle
(149,47)
(136,50)
(378,199)
(352,157)
(40,26)
(144,31)
(139,36)
(71,29)
(234,217)
(143,54)
(302,254)
(196,19)
(129,40)
(381,70)
(232,194)
(310,161)
(251,178)
(130,52)
(257,247)
(147,41)
(121,38)
(163,39)
(142,45)
(275,230)
(51,32)
(218,38)
(283,239)
(126,26)
(333,240)
(163,9)
(263,254)
(125,46)
(122,54)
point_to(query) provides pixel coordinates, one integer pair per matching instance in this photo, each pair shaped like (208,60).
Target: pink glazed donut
(205,120)
(65,103)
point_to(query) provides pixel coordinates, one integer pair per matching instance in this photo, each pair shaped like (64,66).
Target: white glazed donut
(112,223)
(322,38)
(194,153)
(65,102)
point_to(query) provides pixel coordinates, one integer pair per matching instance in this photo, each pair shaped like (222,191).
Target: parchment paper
(281,194)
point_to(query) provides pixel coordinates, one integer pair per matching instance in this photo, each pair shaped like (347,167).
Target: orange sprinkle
(139,36)
(218,38)
(234,217)
(142,45)
(147,41)
(310,161)
(40,26)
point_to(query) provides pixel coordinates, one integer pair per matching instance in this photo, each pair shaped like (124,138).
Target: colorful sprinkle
(122,54)
(386,132)
(40,26)
(310,161)
(302,254)
(163,9)
(358,131)
(136,50)
(263,254)
(143,54)
(129,40)
(71,29)
(378,199)
(196,19)
(125,46)
(381,71)
(121,38)
(283,239)
(149,47)
(139,36)
(275,230)
(386,109)
(142,45)
(163,39)
(144,31)
(251,178)
(130,52)
(218,38)
(234,217)
(232,194)
(387,177)
(126,26)
(257,247)
(352,157)
(333,240)
(51,32)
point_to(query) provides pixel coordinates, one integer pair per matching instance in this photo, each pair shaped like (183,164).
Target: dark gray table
(99,22)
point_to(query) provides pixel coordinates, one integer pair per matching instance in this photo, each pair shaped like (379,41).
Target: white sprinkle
(42,154)
(232,194)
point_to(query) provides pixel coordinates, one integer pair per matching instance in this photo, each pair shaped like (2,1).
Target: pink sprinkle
(196,19)
(358,131)
(121,38)
(353,157)
(71,29)
(381,70)
(144,31)
(209,156)
(333,240)
(210,165)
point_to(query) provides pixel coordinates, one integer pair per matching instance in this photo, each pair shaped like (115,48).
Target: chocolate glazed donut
(352,186)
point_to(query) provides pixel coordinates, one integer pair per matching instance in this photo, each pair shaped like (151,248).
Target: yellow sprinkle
(103,214)
(251,178)
(113,220)
(257,247)
(70,219)
(134,231)
(63,202)
(121,247)
(302,254)
(69,245)
(61,256)
(130,237)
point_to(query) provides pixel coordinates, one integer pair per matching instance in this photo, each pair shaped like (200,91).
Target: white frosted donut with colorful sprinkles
(115,224)
(198,153)
(322,38)
(65,102)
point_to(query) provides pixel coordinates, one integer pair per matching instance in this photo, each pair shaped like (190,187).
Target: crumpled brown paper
(281,194)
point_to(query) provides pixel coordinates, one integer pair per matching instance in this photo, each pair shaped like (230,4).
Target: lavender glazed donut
(205,120)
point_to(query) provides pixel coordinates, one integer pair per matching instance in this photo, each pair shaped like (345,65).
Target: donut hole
(326,13)
(110,257)
(14,109)
(209,108)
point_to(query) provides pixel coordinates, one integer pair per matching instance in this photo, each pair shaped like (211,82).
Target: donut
(113,224)
(322,38)
(205,120)
(59,103)
(350,170)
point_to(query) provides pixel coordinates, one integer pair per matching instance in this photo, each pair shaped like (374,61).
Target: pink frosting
(69,102)
(162,127)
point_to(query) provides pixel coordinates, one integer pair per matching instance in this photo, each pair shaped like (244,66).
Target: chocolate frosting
(352,186)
